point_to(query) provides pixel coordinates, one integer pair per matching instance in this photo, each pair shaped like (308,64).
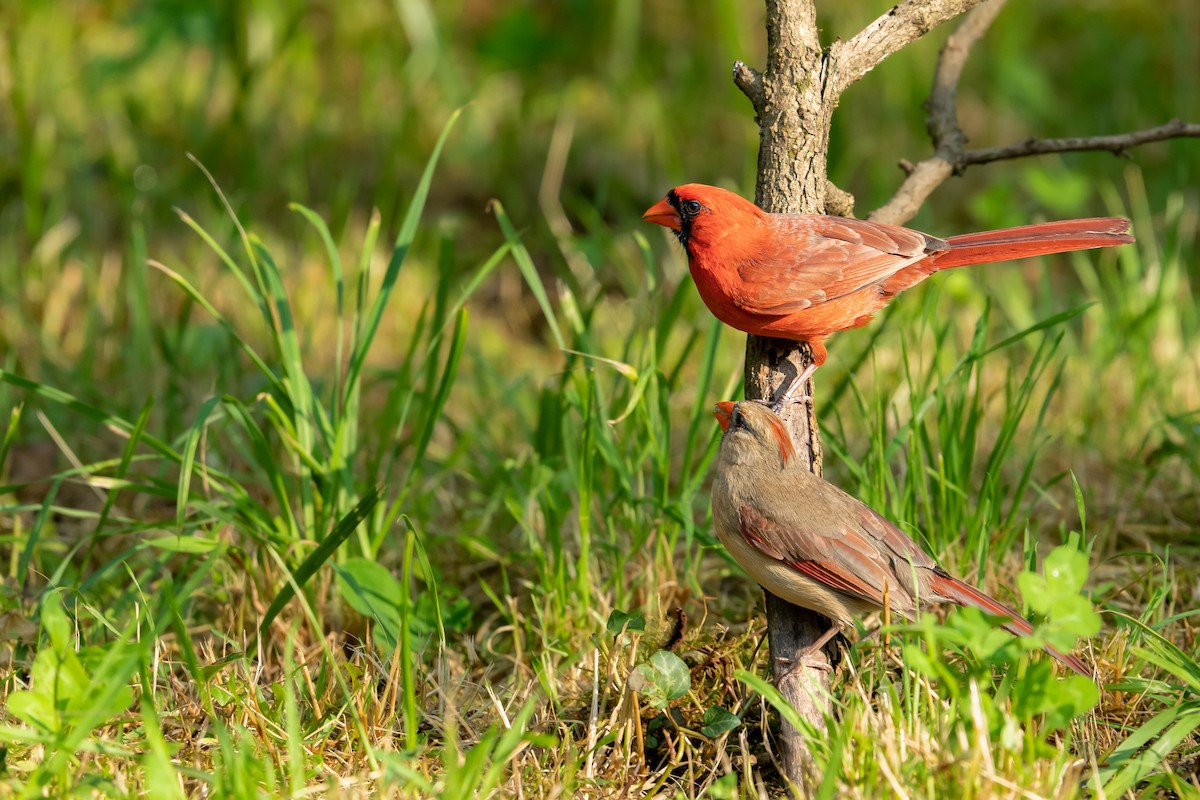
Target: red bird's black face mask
(687,209)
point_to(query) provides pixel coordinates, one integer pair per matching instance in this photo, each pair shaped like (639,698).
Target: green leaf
(717,721)
(57,681)
(1039,692)
(646,681)
(373,592)
(182,544)
(1066,567)
(1074,614)
(368,586)
(57,624)
(676,677)
(1056,595)
(1033,589)
(620,621)
(662,679)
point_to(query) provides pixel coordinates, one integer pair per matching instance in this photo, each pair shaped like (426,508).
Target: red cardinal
(805,276)
(808,542)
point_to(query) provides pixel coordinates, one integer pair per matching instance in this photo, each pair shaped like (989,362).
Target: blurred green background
(337,105)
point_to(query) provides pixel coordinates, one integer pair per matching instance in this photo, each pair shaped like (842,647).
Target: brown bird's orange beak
(661,213)
(724,413)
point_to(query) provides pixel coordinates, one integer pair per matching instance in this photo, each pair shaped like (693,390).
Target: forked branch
(951,156)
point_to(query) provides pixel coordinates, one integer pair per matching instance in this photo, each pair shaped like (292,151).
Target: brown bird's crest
(787,451)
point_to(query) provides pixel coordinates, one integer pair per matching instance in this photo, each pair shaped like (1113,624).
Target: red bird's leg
(792,395)
(806,657)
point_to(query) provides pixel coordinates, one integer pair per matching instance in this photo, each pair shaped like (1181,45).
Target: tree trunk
(789,99)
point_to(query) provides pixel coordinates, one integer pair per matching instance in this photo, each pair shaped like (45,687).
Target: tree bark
(794,115)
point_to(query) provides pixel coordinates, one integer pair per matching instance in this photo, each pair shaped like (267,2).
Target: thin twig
(1116,143)
(925,177)
(749,80)
(942,106)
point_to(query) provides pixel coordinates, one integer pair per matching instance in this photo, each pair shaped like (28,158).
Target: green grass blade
(194,293)
(404,240)
(1160,736)
(190,445)
(408,685)
(322,553)
(255,293)
(10,433)
(260,447)
(529,272)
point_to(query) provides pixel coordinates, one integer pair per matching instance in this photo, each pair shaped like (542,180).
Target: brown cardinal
(805,276)
(808,542)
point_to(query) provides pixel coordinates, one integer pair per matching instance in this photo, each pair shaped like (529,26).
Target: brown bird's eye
(737,420)
(692,207)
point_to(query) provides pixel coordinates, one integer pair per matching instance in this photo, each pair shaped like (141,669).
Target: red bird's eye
(691,207)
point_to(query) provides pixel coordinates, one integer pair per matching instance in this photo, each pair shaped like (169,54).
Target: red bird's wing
(864,558)
(811,259)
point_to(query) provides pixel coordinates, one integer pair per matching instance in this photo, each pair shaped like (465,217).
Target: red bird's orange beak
(724,413)
(661,213)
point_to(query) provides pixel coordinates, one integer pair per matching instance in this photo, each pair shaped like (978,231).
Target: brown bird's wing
(844,545)
(811,259)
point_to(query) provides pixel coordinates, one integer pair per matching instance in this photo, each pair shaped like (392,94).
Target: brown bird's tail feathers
(955,591)
(1034,240)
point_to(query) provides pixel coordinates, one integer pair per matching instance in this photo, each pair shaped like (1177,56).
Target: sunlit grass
(346,504)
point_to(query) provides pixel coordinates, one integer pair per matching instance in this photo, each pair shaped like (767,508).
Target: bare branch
(926,176)
(895,30)
(951,156)
(942,118)
(908,199)
(750,82)
(1115,143)
(838,201)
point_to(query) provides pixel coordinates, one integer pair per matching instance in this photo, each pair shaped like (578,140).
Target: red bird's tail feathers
(955,591)
(1033,240)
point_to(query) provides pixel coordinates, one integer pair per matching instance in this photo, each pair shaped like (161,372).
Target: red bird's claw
(806,399)
(777,407)
(806,660)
